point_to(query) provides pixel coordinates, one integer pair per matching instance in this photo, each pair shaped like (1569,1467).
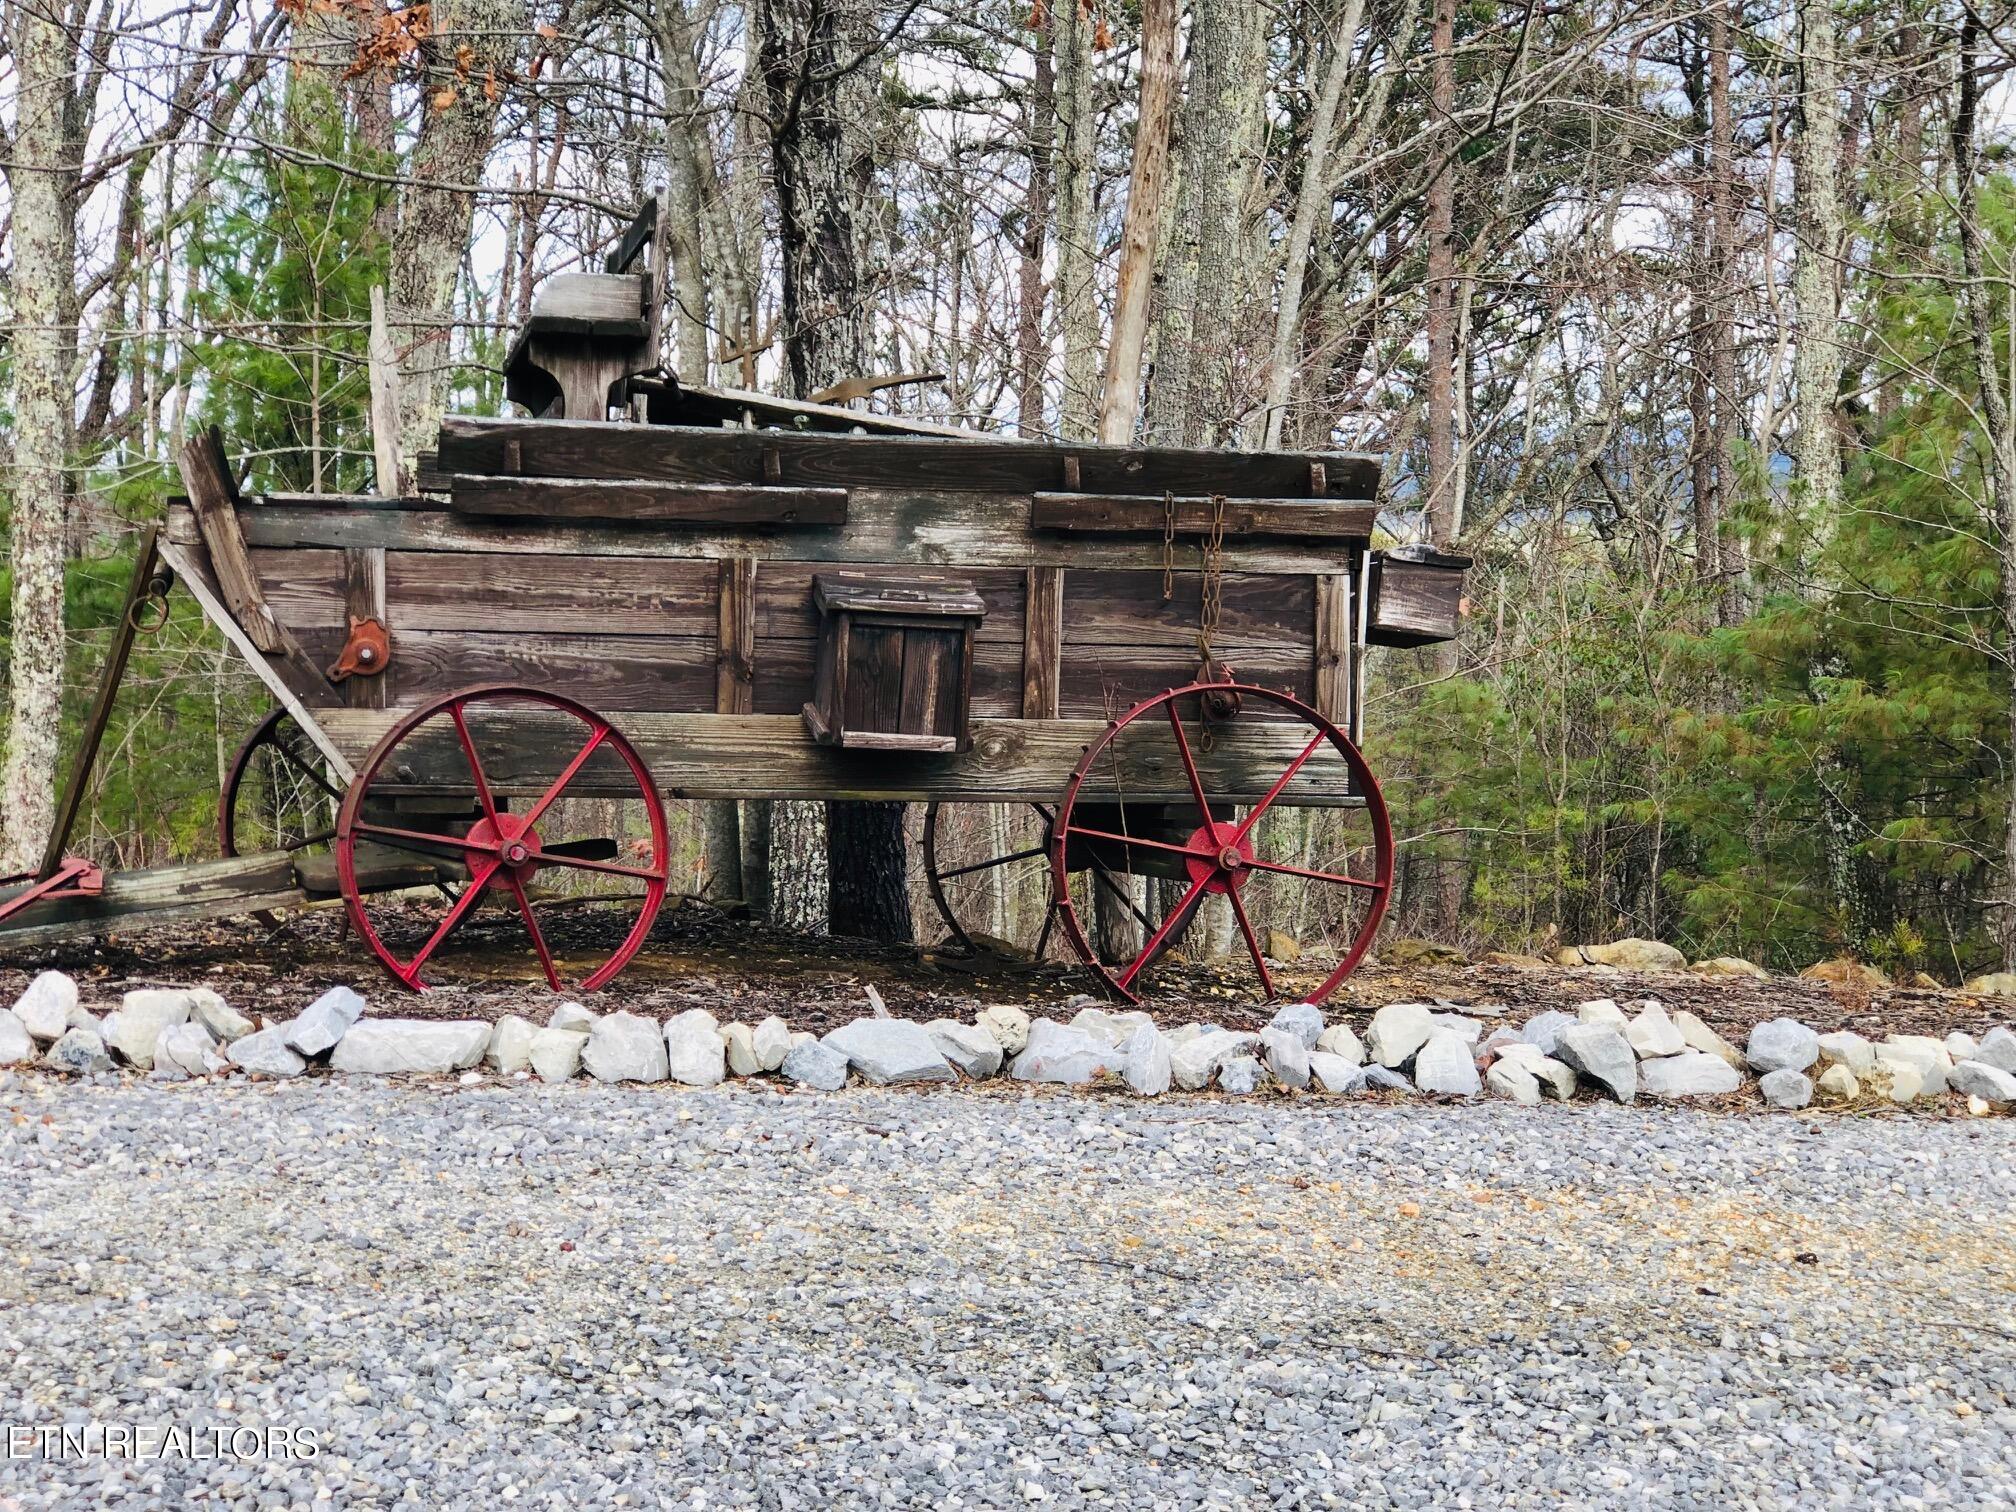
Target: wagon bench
(707,593)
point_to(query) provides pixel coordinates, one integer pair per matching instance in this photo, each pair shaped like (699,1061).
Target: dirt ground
(739,969)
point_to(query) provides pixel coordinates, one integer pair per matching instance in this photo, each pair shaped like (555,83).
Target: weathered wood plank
(637,499)
(364,598)
(1117,514)
(1333,648)
(606,672)
(1256,612)
(735,657)
(784,595)
(206,889)
(213,500)
(1042,643)
(770,756)
(1103,682)
(573,449)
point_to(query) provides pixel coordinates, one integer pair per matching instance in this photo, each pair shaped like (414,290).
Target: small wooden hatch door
(895,668)
(1416,596)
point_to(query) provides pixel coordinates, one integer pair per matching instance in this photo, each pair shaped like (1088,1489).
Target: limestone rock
(1927,1055)
(815,1065)
(1601,1053)
(46,1004)
(1729,966)
(1239,1075)
(1191,1065)
(1304,1021)
(739,1043)
(323,1022)
(1634,954)
(1994,984)
(890,1051)
(1543,1030)
(1338,1040)
(1513,1079)
(1557,1077)
(187,1050)
(1898,1080)
(1998,1049)
(555,1054)
(1786,1088)
(1445,1065)
(1008,1024)
(1059,1053)
(771,1041)
(1421,953)
(266,1053)
(1397,1031)
(1844,1048)
(224,1022)
(1102,1025)
(1698,1036)
(411,1047)
(1653,1034)
(1961,1046)
(1336,1073)
(1837,1084)
(510,1049)
(625,1047)
(1843,971)
(1979,1079)
(1287,1057)
(1380,1078)
(1600,1011)
(1694,1073)
(571,1016)
(16,1043)
(1464,1027)
(1146,1068)
(1781,1044)
(694,1052)
(78,1051)
(969,1047)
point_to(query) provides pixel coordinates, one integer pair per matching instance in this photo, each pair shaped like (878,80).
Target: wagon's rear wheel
(987,868)
(1306,889)
(278,793)
(496,788)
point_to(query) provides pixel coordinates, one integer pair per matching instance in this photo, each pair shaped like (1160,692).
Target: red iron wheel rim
(503,849)
(1219,856)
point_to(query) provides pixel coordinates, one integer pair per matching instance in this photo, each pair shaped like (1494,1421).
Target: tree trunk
(1816,361)
(1077,158)
(1731,598)
(1032,349)
(819,81)
(458,120)
(1120,399)
(40,176)
(1440,230)
(685,143)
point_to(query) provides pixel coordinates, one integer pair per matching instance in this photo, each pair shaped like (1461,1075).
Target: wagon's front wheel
(1296,840)
(481,794)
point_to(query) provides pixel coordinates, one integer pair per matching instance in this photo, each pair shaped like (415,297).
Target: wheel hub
(510,840)
(1221,859)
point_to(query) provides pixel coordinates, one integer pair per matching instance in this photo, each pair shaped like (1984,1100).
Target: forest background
(1691,322)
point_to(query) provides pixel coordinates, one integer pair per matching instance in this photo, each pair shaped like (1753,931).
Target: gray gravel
(568,1296)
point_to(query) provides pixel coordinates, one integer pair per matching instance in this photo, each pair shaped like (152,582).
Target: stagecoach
(1090,664)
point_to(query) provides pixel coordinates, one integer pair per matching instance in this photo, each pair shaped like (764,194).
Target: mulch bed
(740,969)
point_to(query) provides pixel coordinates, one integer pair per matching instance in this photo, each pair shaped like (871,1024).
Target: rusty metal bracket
(74,877)
(367,652)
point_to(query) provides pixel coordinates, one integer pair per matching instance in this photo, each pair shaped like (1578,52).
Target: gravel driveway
(575,1295)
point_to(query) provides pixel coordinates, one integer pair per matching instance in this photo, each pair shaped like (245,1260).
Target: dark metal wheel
(1212,850)
(278,793)
(1011,878)
(561,793)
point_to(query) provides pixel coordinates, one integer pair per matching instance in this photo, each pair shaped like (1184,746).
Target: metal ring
(136,616)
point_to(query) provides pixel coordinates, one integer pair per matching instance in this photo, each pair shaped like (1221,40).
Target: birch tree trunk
(1732,602)
(437,207)
(1032,349)
(1440,231)
(1077,158)
(1120,398)
(41,175)
(819,79)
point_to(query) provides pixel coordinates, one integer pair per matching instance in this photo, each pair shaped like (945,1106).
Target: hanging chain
(1168,544)
(1212,589)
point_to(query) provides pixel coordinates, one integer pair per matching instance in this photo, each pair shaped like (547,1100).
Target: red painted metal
(74,877)
(501,849)
(1219,856)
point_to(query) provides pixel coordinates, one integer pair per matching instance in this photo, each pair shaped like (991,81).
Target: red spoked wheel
(481,792)
(1319,868)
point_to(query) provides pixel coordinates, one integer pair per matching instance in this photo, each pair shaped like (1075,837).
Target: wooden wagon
(488,688)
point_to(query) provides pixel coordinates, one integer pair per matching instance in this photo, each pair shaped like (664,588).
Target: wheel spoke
(1043,938)
(425,843)
(1021,855)
(1189,764)
(1315,876)
(454,916)
(572,770)
(310,770)
(1275,791)
(1161,845)
(583,863)
(475,765)
(307,840)
(532,928)
(1167,926)
(1102,873)
(1252,941)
